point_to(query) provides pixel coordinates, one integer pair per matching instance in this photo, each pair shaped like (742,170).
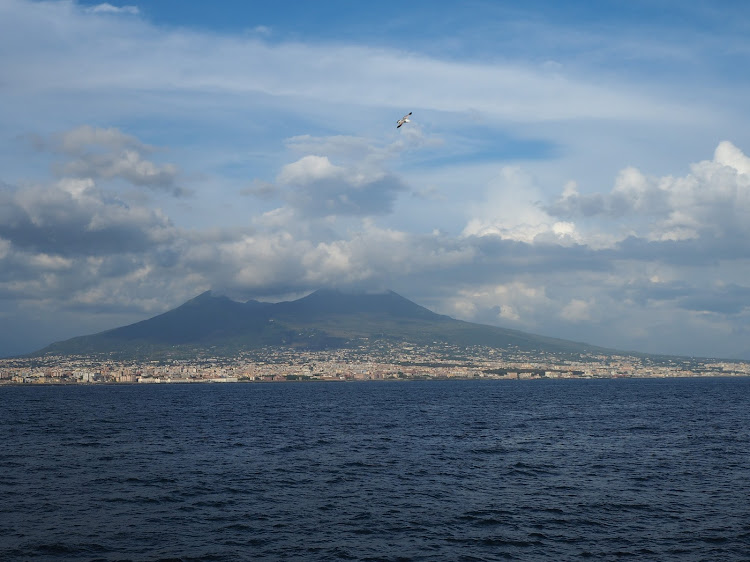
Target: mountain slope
(204,318)
(323,319)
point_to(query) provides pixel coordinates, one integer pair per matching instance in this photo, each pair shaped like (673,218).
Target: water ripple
(445,470)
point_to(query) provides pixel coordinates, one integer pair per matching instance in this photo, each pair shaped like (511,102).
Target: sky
(578,170)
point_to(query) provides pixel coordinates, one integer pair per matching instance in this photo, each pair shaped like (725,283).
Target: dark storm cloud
(731,299)
(703,252)
(721,299)
(514,256)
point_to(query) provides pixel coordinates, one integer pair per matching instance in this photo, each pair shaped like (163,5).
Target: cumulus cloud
(71,246)
(511,303)
(307,170)
(366,155)
(489,231)
(712,202)
(359,184)
(110,154)
(515,264)
(128,165)
(577,310)
(654,245)
(74,217)
(315,186)
(727,154)
(277,257)
(511,212)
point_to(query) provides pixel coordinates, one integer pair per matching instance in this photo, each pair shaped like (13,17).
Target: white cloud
(74,218)
(261,30)
(508,313)
(97,153)
(711,202)
(510,304)
(139,57)
(85,138)
(4,248)
(315,187)
(307,170)
(512,212)
(552,287)
(50,263)
(729,155)
(128,165)
(106,8)
(77,188)
(577,310)
(553,280)
(546,197)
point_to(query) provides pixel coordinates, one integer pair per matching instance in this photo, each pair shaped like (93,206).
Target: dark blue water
(441,470)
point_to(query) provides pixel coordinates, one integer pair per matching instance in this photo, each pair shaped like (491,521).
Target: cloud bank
(550,267)
(573,195)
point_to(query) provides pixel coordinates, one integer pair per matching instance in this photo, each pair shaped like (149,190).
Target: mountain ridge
(324,319)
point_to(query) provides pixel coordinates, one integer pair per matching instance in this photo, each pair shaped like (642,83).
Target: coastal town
(384,361)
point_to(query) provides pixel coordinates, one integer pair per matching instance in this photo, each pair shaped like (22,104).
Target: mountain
(325,319)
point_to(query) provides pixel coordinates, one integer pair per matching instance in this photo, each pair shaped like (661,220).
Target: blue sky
(574,169)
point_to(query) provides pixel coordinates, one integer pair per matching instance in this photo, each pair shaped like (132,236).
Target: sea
(620,469)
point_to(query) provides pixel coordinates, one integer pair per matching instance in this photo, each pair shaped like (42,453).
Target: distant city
(370,361)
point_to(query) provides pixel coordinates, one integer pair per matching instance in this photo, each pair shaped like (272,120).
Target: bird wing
(404,119)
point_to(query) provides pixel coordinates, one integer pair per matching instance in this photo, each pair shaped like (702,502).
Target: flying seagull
(404,119)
